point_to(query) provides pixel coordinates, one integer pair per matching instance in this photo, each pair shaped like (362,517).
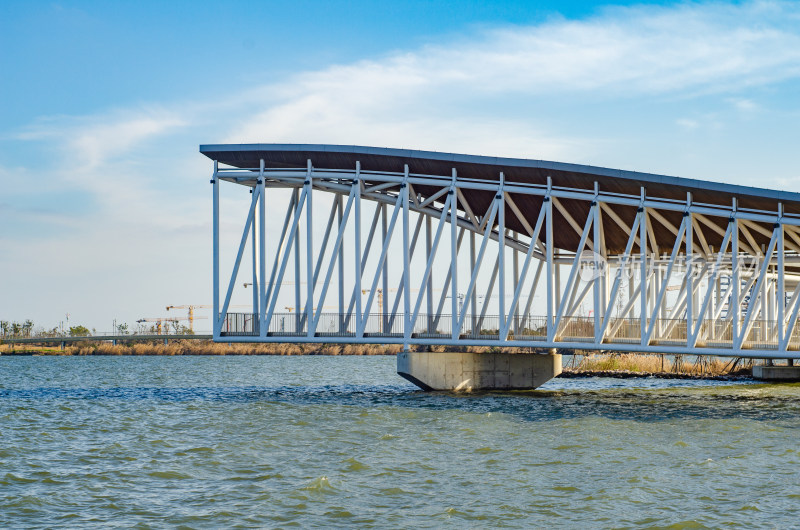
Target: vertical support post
(384,295)
(429,287)
(605,269)
(548,204)
(340,216)
(764,304)
(717,303)
(733,306)
(501,256)
(659,279)
(296,266)
(407,329)
(215,230)
(652,287)
(598,285)
(254,250)
(781,294)
(357,244)
(454,258)
(689,269)
(262,233)
(309,253)
(643,269)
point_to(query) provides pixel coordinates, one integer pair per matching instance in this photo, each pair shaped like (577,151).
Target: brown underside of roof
(564,235)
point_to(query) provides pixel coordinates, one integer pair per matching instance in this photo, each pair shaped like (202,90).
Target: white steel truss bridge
(344,244)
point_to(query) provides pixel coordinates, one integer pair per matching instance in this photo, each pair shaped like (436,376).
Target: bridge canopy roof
(525,171)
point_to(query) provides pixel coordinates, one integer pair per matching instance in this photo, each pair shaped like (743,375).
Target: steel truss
(741,299)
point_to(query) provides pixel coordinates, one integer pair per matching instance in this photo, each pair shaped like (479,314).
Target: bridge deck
(290,327)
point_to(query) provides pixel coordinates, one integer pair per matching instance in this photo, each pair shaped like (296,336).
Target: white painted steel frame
(751,319)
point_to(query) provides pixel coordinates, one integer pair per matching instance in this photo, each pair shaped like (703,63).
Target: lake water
(343,441)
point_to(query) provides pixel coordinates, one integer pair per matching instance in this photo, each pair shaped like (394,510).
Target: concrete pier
(464,371)
(777,373)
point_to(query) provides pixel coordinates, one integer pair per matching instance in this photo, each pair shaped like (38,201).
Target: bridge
(426,248)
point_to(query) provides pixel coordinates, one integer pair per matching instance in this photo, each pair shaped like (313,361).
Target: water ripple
(264,442)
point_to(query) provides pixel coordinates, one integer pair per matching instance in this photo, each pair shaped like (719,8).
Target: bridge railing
(762,334)
(240,324)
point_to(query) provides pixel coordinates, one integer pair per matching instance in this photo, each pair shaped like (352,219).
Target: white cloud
(100,142)
(743,104)
(92,140)
(664,52)
(686,123)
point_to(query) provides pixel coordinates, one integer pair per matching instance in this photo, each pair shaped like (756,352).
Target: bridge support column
(776,373)
(464,371)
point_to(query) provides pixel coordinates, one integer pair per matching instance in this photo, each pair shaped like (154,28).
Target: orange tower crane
(191,316)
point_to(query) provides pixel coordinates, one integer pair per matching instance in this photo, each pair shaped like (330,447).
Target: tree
(122,329)
(79,331)
(5,326)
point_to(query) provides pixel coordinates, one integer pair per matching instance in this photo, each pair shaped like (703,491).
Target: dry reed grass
(629,362)
(193,347)
(644,363)
(198,347)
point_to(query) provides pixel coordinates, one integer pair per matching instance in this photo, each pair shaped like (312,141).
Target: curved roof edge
(214,150)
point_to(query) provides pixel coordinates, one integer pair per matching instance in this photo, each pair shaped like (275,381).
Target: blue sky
(103,204)
(77,57)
